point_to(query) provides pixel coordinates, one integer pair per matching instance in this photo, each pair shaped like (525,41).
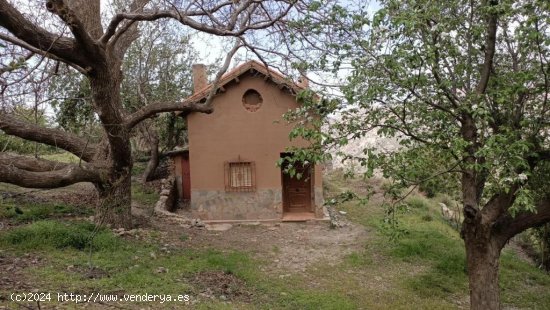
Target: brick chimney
(199,77)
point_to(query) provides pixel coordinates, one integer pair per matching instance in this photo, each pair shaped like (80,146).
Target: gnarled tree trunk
(115,200)
(115,197)
(149,133)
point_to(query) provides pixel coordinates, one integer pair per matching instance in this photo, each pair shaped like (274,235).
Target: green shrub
(55,234)
(429,188)
(138,168)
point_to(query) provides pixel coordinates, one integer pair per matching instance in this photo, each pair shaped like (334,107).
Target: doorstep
(298,216)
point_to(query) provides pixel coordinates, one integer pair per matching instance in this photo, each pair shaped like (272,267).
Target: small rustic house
(230,170)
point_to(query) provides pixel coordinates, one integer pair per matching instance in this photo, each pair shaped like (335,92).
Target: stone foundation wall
(320,210)
(168,195)
(263,204)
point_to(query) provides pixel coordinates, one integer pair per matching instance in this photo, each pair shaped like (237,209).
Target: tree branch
(89,14)
(184,107)
(490,43)
(83,38)
(186,19)
(33,49)
(30,163)
(124,37)
(498,203)
(512,226)
(71,174)
(119,18)
(49,136)
(152,109)
(39,38)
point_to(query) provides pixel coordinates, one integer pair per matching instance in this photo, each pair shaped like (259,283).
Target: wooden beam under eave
(236,79)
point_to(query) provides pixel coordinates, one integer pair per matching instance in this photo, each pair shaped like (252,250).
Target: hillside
(355,148)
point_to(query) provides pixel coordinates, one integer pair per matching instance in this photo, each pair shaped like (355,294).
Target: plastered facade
(232,133)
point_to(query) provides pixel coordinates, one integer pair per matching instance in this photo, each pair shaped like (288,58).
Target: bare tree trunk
(154,160)
(114,206)
(115,196)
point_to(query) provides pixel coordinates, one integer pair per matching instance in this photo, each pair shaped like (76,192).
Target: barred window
(240,177)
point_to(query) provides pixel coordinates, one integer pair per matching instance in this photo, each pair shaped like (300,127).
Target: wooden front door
(185,176)
(297,192)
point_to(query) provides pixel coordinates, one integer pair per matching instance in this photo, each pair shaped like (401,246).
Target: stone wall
(263,204)
(168,196)
(320,209)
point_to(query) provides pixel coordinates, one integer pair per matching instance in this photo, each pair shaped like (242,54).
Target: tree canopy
(464,87)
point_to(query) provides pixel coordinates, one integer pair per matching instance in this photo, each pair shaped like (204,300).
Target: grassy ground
(63,157)
(24,212)
(422,269)
(143,195)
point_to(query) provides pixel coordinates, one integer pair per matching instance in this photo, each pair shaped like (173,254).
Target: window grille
(240,176)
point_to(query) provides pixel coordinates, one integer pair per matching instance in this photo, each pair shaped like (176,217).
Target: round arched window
(252,100)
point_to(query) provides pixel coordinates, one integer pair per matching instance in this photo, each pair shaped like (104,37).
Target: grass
(129,264)
(131,267)
(64,157)
(143,195)
(358,259)
(138,168)
(418,203)
(522,284)
(424,268)
(23,212)
(50,235)
(442,251)
(427,264)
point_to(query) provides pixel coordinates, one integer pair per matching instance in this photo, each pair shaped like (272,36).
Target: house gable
(252,68)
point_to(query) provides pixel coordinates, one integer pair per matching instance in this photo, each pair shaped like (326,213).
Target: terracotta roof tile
(273,75)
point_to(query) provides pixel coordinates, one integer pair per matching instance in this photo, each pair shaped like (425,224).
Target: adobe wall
(231,132)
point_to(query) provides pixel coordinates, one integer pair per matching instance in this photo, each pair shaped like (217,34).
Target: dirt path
(284,247)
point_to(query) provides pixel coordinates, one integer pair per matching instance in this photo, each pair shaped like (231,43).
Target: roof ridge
(277,77)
